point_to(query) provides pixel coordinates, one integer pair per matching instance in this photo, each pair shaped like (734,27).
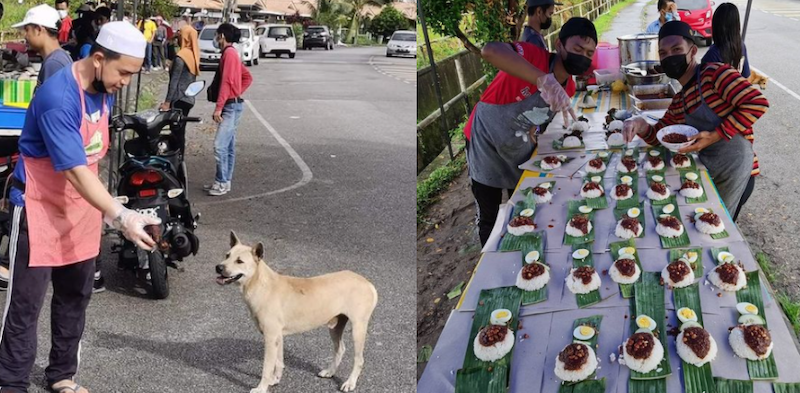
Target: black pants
(748,191)
(178,132)
(72,289)
(488,200)
(159,56)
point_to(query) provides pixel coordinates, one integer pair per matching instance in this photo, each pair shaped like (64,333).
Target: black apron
(729,162)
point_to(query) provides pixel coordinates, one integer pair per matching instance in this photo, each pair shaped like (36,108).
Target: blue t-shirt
(86,49)
(54,62)
(713,56)
(654,27)
(531,36)
(52,126)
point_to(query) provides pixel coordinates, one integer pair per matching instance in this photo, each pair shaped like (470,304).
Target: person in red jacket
(230,82)
(66,21)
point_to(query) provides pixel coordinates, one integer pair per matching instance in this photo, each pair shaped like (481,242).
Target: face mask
(547,23)
(675,66)
(576,64)
(669,16)
(62,13)
(98,84)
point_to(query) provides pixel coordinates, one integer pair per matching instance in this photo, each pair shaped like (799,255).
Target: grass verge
(790,306)
(603,23)
(438,181)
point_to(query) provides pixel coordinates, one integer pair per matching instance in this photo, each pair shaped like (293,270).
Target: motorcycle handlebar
(191,119)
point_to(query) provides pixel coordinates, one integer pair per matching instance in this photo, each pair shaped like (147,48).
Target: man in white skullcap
(58,202)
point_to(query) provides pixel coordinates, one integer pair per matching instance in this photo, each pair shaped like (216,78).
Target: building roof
(409,10)
(200,4)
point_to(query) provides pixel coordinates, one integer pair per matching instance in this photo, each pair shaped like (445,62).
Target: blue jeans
(148,57)
(225,141)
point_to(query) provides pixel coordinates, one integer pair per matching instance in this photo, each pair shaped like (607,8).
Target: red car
(697,13)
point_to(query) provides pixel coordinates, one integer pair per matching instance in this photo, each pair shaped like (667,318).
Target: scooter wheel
(158,275)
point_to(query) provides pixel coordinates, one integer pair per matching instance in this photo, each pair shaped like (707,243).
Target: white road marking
(400,72)
(771,79)
(307,175)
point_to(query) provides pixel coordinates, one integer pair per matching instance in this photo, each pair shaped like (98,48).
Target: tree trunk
(353,32)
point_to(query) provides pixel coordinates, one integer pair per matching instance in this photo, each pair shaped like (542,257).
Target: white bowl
(684,129)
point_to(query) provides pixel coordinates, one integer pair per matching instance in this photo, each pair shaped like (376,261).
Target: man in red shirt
(230,82)
(66,22)
(501,130)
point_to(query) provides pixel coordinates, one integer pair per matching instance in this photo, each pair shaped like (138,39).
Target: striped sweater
(728,94)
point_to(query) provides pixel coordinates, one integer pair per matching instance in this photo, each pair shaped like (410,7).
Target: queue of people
(716,98)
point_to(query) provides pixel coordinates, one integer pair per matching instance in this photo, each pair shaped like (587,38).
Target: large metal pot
(654,76)
(638,47)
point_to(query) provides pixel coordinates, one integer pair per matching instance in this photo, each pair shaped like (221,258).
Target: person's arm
(228,63)
(247,79)
(748,102)
(502,56)
(674,115)
(746,66)
(175,74)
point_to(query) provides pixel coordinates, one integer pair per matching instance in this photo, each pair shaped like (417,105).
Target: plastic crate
(12,118)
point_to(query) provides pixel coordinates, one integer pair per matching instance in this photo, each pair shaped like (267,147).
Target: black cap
(534,3)
(577,26)
(675,27)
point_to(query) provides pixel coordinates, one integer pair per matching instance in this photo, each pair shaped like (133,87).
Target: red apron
(63,228)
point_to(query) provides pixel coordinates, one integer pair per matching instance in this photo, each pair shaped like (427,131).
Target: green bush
(387,22)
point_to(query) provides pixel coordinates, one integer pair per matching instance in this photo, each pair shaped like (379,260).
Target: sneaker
(4,274)
(221,189)
(99,283)
(208,187)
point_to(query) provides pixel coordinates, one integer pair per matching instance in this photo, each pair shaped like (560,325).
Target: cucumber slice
(689,324)
(749,319)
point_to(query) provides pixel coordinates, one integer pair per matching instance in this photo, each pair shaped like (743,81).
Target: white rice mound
(740,347)
(496,351)
(656,196)
(668,232)
(708,229)
(687,279)
(593,193)
(571,141)
(616,198)
(649,167)
(690,357)
(577,375)
(618,278)
(687,164)
(575,232)
(691,192)
(544,198)
(591,169)
(644,365)
(576,286)
(521,230)
(581,126)
(624,169)
(615,125)
(623,233)
(741,281)
(549,167)
(616,139)
(535,284)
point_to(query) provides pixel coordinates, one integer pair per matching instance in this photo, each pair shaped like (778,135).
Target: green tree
(495,20)
(388,21)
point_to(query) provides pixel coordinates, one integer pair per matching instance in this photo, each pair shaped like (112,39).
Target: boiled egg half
(583,332)
(686,314)
(746,308)
(500,316)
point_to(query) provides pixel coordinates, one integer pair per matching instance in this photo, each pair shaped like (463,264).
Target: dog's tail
(375,296)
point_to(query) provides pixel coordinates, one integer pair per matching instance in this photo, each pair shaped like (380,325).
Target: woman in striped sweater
(717,101)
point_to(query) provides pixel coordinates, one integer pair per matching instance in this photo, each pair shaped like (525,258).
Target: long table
(548,324)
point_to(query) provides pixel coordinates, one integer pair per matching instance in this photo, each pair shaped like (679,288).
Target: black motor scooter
(153,181)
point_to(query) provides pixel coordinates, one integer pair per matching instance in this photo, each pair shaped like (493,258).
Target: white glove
(634,126)
(131,224)
(553,93)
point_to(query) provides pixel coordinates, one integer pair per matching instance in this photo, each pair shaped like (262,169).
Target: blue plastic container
(12,118)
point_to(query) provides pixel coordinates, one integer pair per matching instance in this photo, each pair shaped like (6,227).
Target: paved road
(347,147)
(402,69)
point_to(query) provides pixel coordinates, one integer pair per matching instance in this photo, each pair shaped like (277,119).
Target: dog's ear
(234,240)
(258,251)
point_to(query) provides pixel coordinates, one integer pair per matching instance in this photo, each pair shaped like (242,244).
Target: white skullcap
(123,38)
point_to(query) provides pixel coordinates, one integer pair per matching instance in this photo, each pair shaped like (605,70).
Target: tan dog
(758,79)
(283,305)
